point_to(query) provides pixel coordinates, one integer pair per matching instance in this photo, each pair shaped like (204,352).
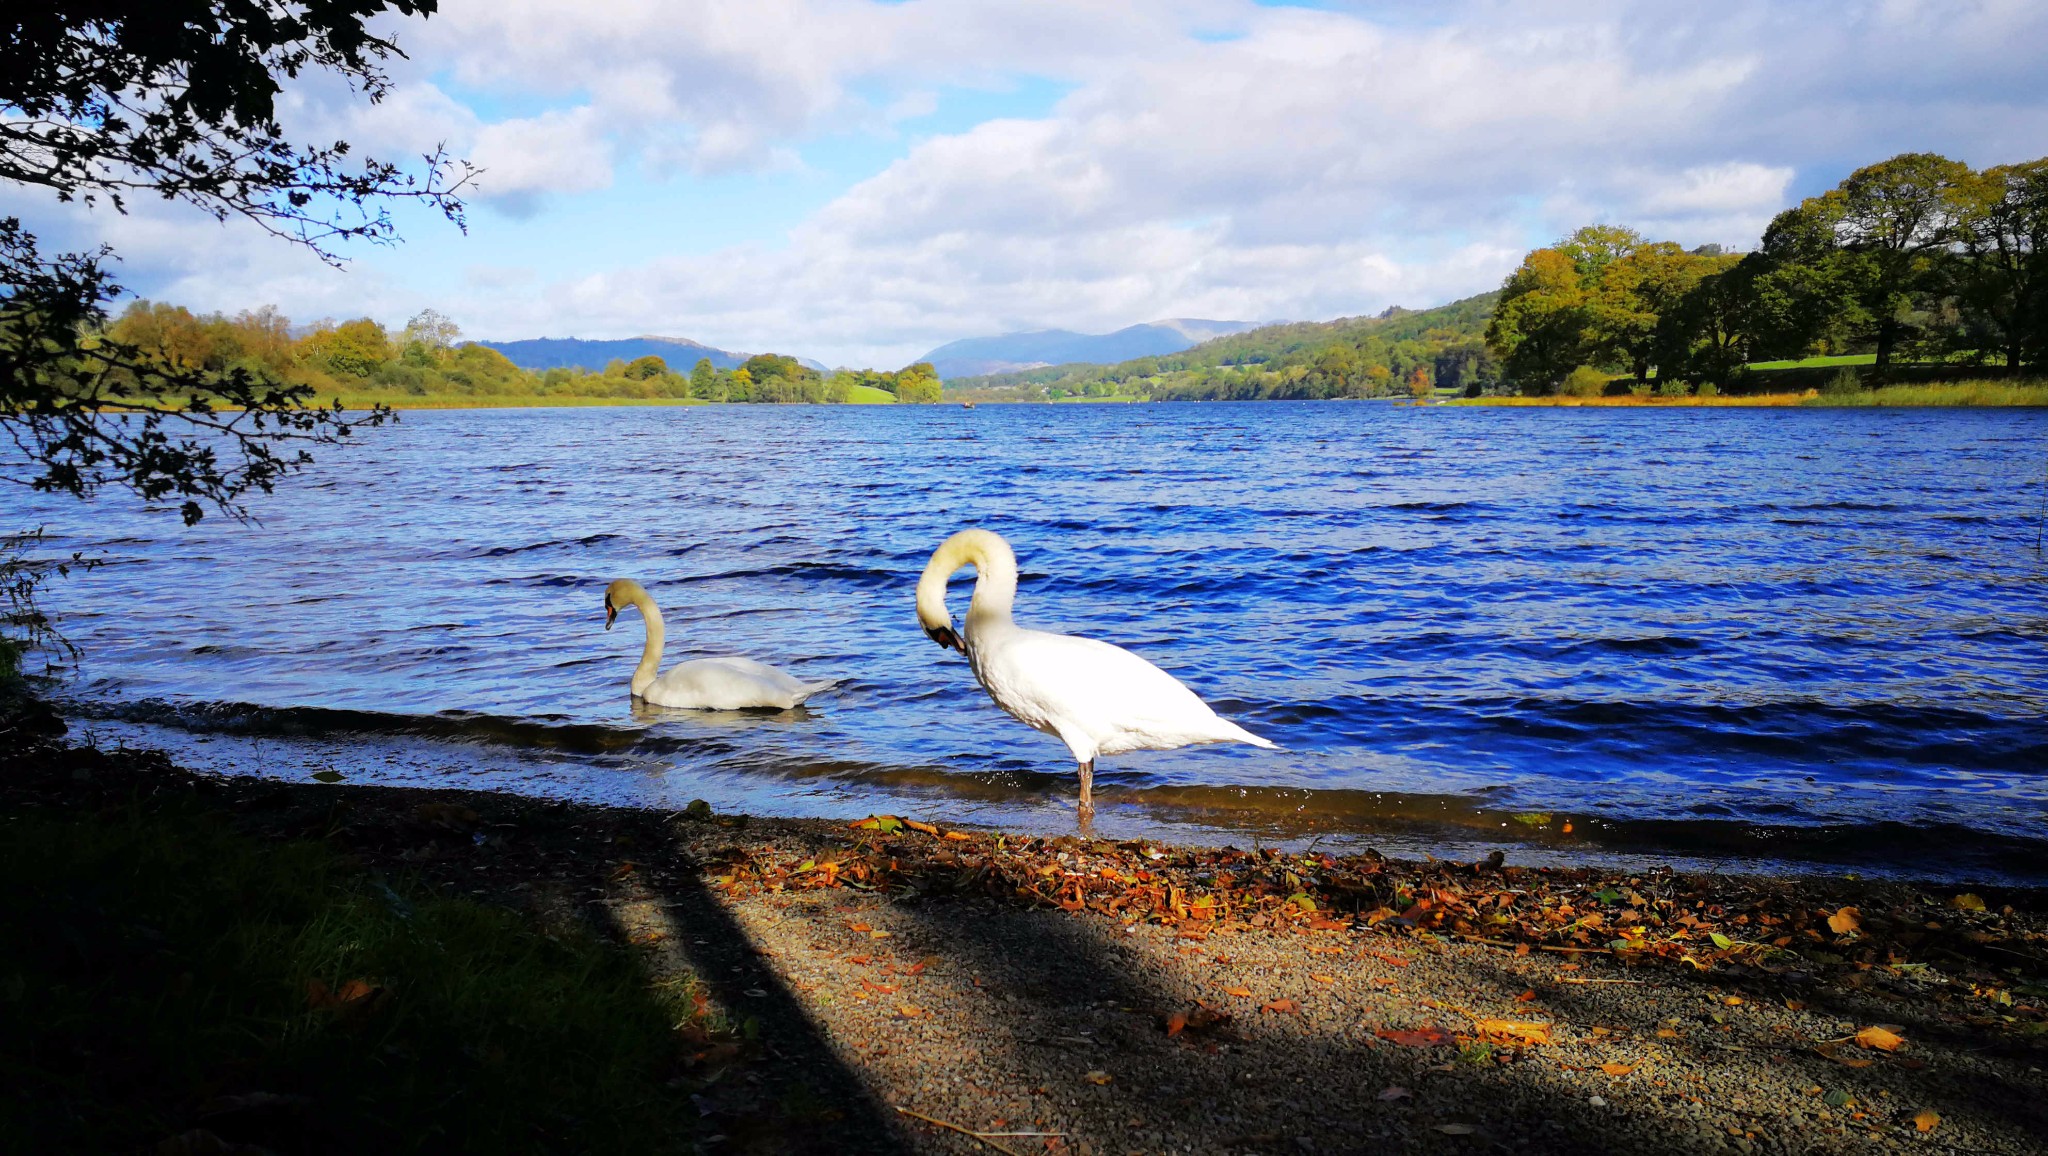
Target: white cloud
(1301,163)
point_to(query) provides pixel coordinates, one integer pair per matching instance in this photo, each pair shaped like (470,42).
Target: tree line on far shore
(362,359)
(1914,259)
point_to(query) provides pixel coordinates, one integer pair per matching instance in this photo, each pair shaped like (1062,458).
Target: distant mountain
(680,353)
(973,356)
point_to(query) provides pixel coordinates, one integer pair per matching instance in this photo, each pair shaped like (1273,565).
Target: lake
(1807,639)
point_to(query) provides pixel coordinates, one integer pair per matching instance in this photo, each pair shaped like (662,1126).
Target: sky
(859,182)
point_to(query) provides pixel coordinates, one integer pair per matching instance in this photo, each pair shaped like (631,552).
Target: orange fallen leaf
(1512,1031)
(1926,1119)
(1883,1039)
(958,837)
(1324,978)
(909,1011)
(621,871)
(879,988)
(1176,1023)
(860,960)
(1283,1006)
(1395,960)
(1846,920)
(1617,1069)
(1416,1037)
(858,927)
(927,828)
(1240,992)
(1098,1078)
(1526,996)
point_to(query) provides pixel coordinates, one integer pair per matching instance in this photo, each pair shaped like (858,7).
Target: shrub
(1585,381)
(1674,387)
(1709,389)
(1845,380)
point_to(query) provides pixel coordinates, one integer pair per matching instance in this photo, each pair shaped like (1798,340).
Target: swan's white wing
(729,683)
(1099,698)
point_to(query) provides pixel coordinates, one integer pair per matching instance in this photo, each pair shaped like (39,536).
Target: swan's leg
(1088,787)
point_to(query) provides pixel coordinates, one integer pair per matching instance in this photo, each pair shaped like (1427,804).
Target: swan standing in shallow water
(1097,698)
(704,683)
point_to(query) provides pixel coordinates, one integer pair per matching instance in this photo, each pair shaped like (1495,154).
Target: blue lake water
(1816,637)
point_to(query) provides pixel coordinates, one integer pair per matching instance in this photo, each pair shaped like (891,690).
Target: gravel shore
(950,991)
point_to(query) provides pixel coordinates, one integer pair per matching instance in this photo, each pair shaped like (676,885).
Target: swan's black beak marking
(945,636)
(610,613)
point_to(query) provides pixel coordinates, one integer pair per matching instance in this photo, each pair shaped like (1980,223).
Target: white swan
(1097,698)
(704,683)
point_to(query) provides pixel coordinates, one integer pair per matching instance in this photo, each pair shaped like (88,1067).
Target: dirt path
(1306,1006)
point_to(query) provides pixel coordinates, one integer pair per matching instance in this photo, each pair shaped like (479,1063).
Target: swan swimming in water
(704,683)
(1097,698)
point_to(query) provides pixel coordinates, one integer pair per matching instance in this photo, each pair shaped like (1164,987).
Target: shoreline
(1147,996)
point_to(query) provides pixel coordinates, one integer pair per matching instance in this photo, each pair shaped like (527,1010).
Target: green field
(869,395)
(1818,362)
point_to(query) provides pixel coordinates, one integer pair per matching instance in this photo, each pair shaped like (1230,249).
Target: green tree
(1635,292)
(2004,230)
(643,368)
(1892,222)
(1539,326)
(177,99)
(1593,248)
(918,383)
(704,380)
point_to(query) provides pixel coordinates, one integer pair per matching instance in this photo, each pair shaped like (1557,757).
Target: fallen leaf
(1397,1092)
(1926,1119)
(1324,978)
(1283,1006)
(926,828)
(958,837)
(1098,1078)
(1846,920)
(909,1011)
(1416,1037)
(1882,1039)
(1456,1129)
(1176,1023)
(858,927)
(879,988)
(1967,901)
(1828,1050)
(860,960)
(1512,1031)
(1239,992)
(1617,1069)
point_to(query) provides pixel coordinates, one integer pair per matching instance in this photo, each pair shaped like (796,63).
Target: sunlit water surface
(1710,636)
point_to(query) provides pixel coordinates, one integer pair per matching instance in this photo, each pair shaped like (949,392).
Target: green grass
(1970,393)
(1818,362)
(152,964)
(869,395)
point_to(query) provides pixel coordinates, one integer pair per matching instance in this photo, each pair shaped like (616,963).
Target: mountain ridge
(1029,349)
(593,354)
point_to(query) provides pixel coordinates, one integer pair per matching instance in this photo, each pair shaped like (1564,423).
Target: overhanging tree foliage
(103,101)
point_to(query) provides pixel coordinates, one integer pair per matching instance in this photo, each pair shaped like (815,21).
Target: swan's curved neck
(657,634)
(995,584)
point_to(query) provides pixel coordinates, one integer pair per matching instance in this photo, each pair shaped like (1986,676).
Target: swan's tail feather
(1244,736)
(811,688)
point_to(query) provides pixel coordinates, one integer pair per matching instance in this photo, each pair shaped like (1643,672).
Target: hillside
(1012,351)
(1350,357)
(680,353)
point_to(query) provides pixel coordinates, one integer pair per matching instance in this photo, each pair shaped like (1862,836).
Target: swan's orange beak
(611,613)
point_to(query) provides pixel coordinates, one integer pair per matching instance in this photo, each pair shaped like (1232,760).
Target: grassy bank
(174,985)
(1970,393)
(1630,401)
